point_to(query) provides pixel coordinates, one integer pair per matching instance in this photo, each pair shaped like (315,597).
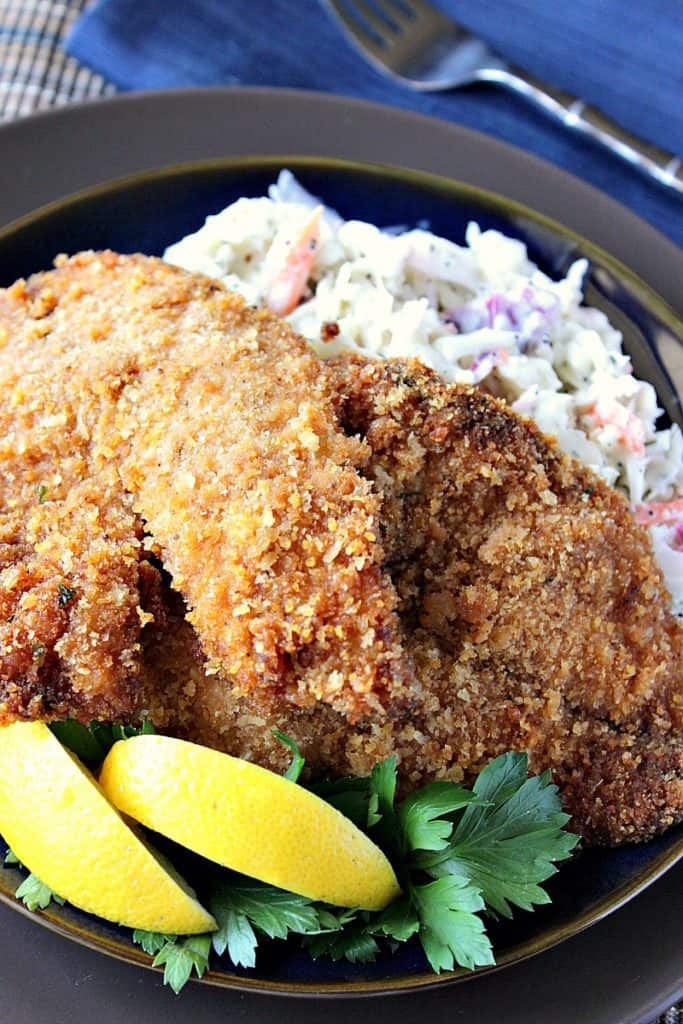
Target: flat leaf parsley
(460,855)
(35,895)
(179,956)
(92,743)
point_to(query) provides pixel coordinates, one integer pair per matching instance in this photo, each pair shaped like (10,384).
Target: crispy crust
(141,392)
(70,551)
(533,611)
(538,617)
(374,562)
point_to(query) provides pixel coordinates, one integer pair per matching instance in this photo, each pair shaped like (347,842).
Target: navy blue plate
(147,212)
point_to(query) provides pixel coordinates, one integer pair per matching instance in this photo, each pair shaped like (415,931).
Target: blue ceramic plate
(147,212)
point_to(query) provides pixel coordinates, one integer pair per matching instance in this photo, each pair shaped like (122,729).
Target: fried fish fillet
(538,617)
(202,523)
(531,608)
(140,393)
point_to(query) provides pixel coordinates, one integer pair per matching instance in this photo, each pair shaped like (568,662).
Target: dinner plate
(148,212)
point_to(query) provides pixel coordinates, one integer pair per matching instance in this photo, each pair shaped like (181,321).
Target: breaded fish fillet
(533,613)
(538,617)
(201,522)
(138,392)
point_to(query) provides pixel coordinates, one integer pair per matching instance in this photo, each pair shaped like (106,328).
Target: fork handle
(666,168)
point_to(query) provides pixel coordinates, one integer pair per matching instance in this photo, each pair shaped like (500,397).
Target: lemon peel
(249,819)
(61,826)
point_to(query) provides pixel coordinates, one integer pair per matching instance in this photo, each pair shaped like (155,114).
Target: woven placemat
(36,74)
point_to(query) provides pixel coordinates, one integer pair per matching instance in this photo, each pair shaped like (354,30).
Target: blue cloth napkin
(621,55)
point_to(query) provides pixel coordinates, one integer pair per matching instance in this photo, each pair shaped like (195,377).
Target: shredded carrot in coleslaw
(630,428)
(288,287)
(654,513)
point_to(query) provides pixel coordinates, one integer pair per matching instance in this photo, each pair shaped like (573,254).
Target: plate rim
(479,196)
(483,196)
(51,920)
(145,100)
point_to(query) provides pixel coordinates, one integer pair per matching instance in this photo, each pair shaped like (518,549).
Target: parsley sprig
(509,841)
(33,893)
(91,743)
(179,955)
(461,856)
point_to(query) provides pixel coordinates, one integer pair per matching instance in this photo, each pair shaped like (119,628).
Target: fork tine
(423,9)
(358,33)
(397,11)
(380,26)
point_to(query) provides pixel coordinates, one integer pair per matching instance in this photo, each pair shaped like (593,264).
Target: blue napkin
(621,55)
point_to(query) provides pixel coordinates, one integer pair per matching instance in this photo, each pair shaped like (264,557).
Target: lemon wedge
(58,822)
(248,819)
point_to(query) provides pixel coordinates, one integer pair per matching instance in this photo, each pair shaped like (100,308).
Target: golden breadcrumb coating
(202,523)
(538,617)
(534,614)
(70,552)
(141,390)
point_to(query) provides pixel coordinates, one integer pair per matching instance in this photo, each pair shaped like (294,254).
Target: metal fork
(422,48)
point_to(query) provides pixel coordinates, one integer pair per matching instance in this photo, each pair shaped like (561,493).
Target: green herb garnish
(91,743)
(35,895)
(507,844)
(65,595)
(298,760)
(460,855)
(179,956)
